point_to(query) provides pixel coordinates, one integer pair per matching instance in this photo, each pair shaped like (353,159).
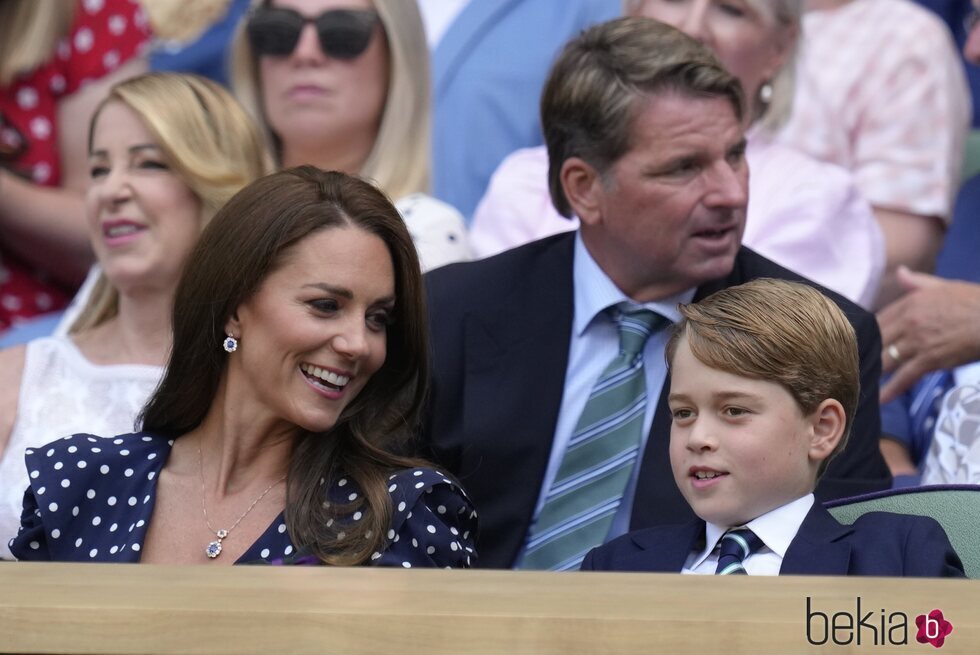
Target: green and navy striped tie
(736,545)
(599,459)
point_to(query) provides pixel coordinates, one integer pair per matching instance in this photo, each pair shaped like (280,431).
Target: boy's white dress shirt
(776,529)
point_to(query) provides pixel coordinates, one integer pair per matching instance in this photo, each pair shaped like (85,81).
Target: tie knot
(635,327)
(736,545)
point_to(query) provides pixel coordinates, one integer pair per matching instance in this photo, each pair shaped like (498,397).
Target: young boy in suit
(763,385)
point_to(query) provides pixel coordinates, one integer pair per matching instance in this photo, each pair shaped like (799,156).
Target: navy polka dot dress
(90,500)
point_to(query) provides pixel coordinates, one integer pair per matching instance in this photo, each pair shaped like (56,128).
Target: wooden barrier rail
(99,608)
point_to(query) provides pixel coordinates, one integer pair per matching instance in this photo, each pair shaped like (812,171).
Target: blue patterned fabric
(91,500)
(911,418)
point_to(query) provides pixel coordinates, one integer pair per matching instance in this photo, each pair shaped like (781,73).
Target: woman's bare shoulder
(11,373)
(11,369)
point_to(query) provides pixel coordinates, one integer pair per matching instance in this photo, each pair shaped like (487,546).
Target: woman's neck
(347,155)
(240,445)
(140,333)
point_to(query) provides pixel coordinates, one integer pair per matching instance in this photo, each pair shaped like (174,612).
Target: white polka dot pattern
(431,513)
(27,98)
(117,24)
(75,473)
(433,523)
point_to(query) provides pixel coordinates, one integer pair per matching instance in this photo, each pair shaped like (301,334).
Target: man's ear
(583,187)
(827,423)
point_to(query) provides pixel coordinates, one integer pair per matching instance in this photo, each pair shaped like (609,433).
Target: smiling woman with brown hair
(299,368)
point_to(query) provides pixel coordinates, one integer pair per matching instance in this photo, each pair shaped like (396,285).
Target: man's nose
(729,185)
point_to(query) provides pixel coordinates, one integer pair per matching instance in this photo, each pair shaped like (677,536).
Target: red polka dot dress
(104,35)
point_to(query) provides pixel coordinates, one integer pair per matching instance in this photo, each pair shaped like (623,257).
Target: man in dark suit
(646,146)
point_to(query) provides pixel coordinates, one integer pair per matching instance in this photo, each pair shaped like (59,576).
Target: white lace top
(62,393)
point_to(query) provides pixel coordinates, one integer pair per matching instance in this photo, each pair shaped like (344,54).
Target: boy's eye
(735,411)
(681,414)
(98,171)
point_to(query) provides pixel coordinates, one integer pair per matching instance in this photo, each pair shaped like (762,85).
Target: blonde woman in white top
(165,152)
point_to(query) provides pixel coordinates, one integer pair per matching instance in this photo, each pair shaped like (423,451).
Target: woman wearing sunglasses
(344,85)
(166,151)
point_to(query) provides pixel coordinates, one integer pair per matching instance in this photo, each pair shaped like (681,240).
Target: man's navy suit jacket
(879,543)
(501,330)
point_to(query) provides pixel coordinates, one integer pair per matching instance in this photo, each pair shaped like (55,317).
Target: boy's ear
(828,421)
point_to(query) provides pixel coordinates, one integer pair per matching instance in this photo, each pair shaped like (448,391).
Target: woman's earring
(230,344)
(765,93)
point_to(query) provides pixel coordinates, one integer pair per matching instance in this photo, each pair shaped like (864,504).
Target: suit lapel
(666,549)
(819,547)
(462,36)
(517,356)
(658,501)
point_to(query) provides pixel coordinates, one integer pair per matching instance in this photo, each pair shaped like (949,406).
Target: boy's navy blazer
(879,543)
(500,331)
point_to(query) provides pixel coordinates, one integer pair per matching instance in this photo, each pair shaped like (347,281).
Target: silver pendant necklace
(214,548)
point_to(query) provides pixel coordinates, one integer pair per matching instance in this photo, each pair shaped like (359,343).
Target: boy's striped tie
(736,545)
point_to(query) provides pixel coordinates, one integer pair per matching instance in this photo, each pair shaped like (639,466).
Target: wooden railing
(97,608)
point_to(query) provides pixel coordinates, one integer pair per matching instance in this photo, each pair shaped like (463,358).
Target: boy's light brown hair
(778,331)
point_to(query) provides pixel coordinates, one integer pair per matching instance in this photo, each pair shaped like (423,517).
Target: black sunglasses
(343,33)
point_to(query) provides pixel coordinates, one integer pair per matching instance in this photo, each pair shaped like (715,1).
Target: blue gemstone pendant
(214,548)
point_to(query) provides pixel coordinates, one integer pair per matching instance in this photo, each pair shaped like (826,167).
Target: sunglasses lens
(274,31)
(344,33)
